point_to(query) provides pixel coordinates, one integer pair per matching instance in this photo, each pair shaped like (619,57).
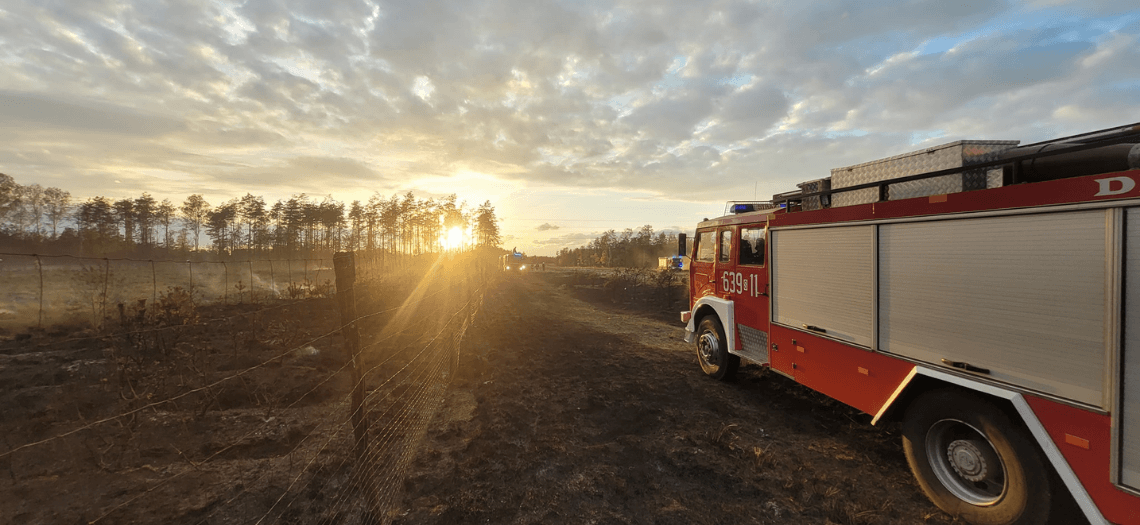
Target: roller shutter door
(1023,296)
(824,278)
(1130,409)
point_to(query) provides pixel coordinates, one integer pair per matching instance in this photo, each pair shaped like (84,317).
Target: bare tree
(28,210)
(57,206)
(8,189)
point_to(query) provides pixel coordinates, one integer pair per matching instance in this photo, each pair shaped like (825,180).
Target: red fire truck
(985,294)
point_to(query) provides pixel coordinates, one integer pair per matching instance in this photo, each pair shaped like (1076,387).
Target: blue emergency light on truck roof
(738,207)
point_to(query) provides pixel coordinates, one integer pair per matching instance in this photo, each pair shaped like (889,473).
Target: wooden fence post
(251,281)
(345,268)
(190,270)
(40,269)
(226,286)
(106,277)
(153,287)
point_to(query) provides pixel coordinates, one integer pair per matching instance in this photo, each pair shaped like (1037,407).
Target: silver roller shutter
(1023,296)
(824,277)
(1130,409)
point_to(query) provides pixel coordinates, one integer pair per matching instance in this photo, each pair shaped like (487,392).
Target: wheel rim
(708,347)
(966,463)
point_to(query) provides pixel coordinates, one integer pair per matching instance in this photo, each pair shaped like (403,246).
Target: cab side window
(752,246)
(706,246)
(725,246)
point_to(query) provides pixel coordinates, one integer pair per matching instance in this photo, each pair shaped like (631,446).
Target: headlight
(523,267)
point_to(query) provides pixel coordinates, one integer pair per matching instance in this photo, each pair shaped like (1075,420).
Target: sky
(571,117)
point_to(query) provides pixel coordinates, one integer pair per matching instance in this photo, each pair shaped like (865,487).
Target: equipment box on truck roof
(946,156)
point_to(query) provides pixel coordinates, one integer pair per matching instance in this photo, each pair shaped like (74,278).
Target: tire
(973,462)
(712,350)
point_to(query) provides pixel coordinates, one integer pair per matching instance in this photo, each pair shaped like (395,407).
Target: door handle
(965,366)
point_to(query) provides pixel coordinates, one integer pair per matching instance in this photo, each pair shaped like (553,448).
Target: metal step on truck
(985,294)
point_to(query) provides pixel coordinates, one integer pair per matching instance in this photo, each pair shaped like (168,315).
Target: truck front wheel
(973,462)
(712,350)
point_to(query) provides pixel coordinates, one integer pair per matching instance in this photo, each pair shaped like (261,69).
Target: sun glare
(452,239)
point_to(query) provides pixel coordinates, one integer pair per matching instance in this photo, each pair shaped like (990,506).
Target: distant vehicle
(513,262)
(986,295)
(676,262)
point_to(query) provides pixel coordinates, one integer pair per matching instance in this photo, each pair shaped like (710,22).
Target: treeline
(42,220)
(630,249)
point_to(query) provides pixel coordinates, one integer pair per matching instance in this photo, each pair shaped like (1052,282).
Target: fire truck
(512,262)
(985,294)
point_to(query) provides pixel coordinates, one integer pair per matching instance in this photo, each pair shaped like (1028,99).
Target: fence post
(251,281)
(345,269)
(106,277)
(40,268)
(153,287)
(190,270)
(226,286)
(317,273)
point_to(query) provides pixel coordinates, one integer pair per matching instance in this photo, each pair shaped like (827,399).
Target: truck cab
(728,281)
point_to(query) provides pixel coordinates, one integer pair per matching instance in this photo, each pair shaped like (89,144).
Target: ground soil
(218,455)
(574,400)
(578,402)
(184,413)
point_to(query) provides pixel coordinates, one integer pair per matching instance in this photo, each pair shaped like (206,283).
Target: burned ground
(573,400)
(578,403)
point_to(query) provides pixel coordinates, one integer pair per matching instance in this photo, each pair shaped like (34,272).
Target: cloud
(38,112)
(751,111)
(332,167)
(1094,6)
(698,102)
(567,240)
(546,226)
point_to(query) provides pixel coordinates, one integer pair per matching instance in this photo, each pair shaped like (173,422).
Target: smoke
(87,291)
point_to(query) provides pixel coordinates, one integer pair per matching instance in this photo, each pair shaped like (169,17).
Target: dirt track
(573,411)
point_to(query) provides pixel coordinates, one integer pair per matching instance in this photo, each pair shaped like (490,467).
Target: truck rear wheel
(712,350)
(973,462)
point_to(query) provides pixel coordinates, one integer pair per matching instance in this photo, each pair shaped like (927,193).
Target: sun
(452,239)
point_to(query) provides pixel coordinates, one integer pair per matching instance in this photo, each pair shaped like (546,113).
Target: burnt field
(577,401)
(564,396)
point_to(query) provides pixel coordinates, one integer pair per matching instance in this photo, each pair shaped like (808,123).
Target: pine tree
(487,226)
(195,212)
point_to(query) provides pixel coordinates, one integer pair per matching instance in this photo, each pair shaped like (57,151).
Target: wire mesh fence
(45,290)
(42,290)
(242,415)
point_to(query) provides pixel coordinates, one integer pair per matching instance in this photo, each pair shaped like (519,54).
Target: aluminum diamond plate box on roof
(815,186)
(953,155)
